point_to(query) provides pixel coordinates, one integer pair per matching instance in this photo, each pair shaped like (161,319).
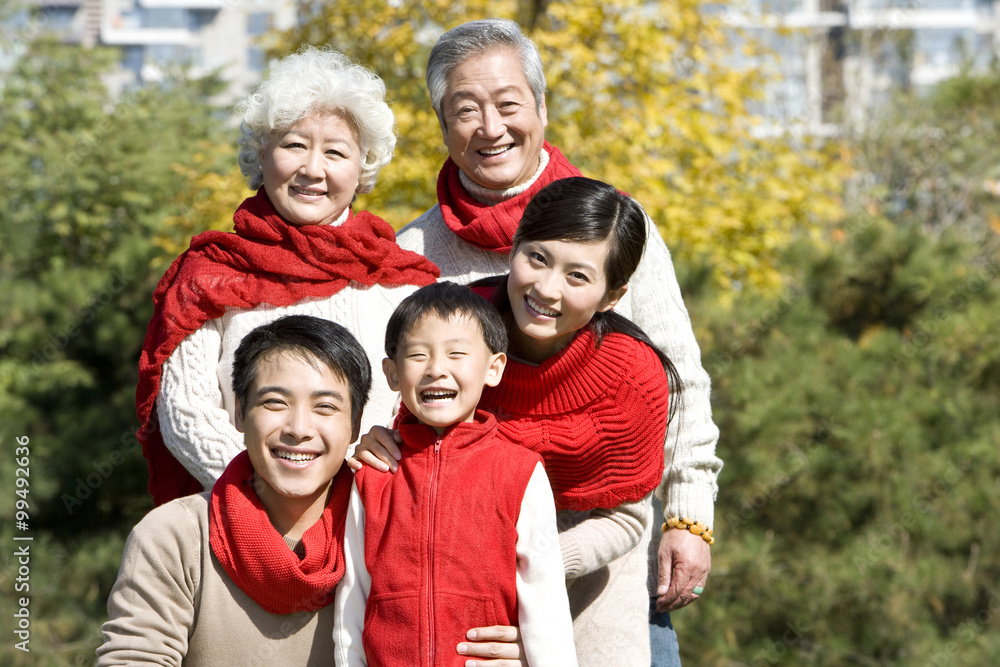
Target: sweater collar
(490,197)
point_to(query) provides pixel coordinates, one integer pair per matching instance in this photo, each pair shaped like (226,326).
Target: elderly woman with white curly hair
(314,134)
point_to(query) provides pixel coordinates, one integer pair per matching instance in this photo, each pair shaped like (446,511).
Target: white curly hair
(325,81)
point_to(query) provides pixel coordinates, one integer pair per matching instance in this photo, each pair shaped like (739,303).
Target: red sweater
(596,416)
(440,541)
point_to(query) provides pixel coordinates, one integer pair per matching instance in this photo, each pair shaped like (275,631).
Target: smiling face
(297,427)
(440,369)
(490,124)
(555,287)
(311,171)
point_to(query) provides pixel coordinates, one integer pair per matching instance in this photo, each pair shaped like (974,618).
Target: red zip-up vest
(440,538)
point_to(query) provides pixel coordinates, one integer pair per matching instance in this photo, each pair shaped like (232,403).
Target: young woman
(586,390)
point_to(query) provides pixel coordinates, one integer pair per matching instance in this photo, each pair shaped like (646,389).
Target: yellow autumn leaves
(654,97)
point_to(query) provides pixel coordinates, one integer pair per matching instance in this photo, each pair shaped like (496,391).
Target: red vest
(440,538)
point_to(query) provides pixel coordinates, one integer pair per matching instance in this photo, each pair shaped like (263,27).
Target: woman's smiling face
(555,287)
(311,171)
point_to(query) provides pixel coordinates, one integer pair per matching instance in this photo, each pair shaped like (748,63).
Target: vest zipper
(430,539)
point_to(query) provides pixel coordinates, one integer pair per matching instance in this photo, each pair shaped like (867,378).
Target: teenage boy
(245,574)
(463,535)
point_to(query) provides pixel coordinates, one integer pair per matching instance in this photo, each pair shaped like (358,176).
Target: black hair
(316,340)
(582,210)
(445,299)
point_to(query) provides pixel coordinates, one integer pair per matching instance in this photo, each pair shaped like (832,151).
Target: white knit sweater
(196,406)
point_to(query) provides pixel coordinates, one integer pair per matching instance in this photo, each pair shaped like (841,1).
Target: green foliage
(88,180)
(860,419)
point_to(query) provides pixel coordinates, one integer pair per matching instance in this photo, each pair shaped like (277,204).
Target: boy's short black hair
(313,338)
(445,299)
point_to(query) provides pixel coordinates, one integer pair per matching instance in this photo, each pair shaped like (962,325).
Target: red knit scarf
(492,227)
(597,416)
(255,555)
(267,261)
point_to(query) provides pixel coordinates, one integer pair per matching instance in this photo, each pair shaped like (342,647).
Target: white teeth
(542,309)
(311,193)
(494,151)
(437,395)
(295,457)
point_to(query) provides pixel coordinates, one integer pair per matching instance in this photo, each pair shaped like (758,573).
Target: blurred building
(839,59)
(207,35)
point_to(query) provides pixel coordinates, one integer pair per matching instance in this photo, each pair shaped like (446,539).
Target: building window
(259,22)
(256,60)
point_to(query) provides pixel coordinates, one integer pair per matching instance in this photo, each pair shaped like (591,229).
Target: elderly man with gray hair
(487,88)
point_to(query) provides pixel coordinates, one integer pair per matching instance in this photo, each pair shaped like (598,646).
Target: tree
(640,95)
(923,157)
(860,419)
(89,180)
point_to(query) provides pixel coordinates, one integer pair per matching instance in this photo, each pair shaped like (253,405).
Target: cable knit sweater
(196,406)
(597,416)
(653,302)
(173,604)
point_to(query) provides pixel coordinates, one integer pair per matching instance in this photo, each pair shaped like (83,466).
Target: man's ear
(391,374)
(612,298)
(494,372)
(239,416)
(543,113)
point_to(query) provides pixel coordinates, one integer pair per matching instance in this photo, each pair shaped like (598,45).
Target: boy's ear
(391,374)
(494,372)
(612,298)
(239,416)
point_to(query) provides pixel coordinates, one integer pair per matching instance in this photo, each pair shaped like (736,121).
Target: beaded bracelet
(693,527)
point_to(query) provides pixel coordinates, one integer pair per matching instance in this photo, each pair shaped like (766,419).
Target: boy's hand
(500,645)
(378,449)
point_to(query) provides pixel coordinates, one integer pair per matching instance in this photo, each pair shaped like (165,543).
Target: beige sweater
(173,604)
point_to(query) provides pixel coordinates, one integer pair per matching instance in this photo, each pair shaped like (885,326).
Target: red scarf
(597,415)
(492,227)
(255,555)
(267,261)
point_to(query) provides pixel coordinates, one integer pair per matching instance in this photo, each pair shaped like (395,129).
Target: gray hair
(476,38)
(325,81)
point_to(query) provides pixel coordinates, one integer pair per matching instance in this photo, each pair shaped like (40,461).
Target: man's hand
(499,645)
(379,449)
(684,560)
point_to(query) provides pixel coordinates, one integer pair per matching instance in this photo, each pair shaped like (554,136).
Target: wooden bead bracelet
(693,527)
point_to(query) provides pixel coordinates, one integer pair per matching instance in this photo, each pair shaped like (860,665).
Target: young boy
(245,574)
(463,508)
